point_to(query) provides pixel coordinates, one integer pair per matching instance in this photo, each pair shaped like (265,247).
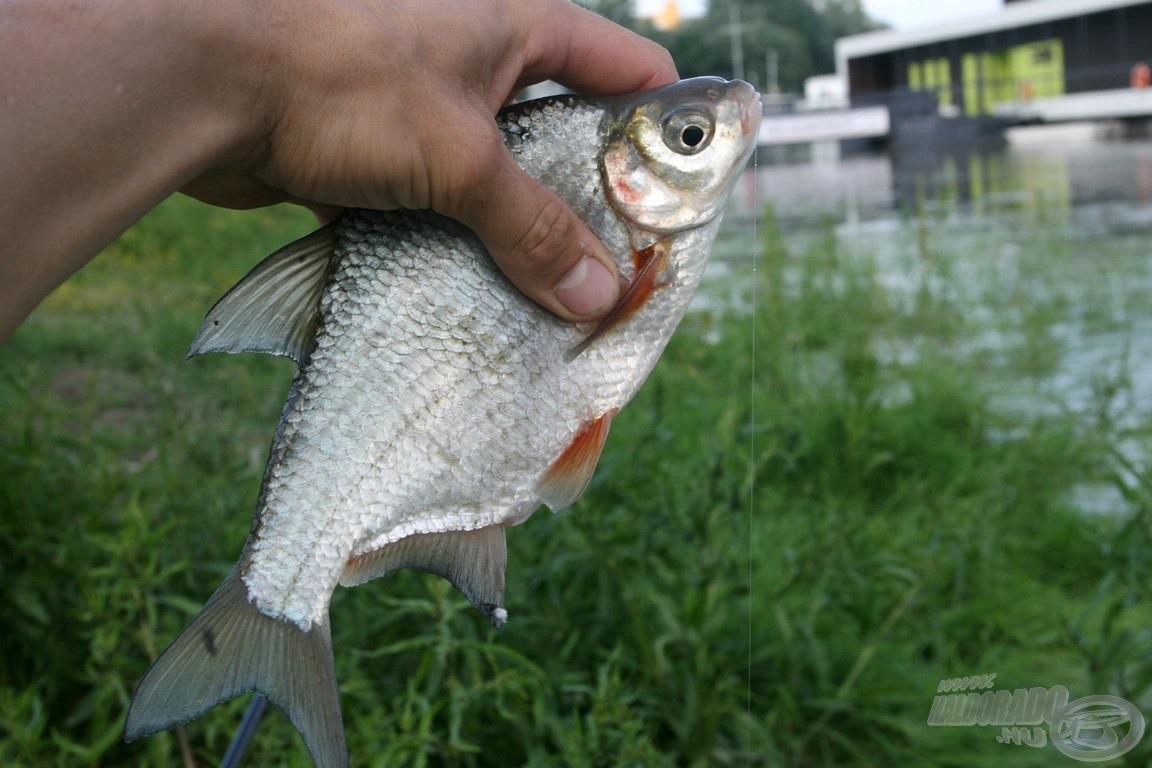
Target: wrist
(111,106)
(220,61)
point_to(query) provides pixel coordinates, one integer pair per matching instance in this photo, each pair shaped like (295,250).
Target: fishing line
(752,424)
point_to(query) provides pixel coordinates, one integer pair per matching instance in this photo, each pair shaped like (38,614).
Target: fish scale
(435,406)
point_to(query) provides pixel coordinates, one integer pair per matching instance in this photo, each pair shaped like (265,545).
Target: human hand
(329,103)
(390,104)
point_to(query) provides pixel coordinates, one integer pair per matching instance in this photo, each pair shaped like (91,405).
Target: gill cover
(672,154)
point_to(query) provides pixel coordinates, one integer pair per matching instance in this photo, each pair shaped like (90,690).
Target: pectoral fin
(566,479)
(650,264)
(275,308)
(473,561)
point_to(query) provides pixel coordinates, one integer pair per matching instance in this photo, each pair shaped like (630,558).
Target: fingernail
(589,288)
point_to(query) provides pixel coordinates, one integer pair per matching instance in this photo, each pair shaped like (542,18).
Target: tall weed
(810,515)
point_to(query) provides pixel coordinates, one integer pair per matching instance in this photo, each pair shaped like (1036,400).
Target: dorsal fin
(276,306)
(472,560)
(569,474)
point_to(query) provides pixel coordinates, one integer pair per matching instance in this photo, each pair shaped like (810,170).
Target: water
(1078,193)
(1079,170)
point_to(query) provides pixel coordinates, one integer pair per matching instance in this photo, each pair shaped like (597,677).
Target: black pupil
(692,135)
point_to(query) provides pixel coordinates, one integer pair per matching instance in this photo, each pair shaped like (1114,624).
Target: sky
(912,14)
(900,14)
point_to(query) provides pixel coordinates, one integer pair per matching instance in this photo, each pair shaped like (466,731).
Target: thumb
(538,242)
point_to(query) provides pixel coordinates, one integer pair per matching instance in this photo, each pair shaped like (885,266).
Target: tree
(802,34)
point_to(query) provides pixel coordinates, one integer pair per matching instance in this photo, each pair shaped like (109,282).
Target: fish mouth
(751,108)
(748,100)
(753,111)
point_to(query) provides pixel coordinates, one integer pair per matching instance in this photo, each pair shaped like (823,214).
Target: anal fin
(473,561)
(231,648)
(568,476)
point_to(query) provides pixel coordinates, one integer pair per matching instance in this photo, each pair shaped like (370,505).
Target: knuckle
(539,244)
(528,229)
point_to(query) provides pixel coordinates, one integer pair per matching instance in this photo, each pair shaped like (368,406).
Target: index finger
(591,54)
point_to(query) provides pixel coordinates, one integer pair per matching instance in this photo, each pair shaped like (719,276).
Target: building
(1032,51)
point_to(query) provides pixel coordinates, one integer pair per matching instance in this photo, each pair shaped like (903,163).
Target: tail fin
(230,648)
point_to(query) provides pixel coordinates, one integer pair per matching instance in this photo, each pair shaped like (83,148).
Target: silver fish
(434,405)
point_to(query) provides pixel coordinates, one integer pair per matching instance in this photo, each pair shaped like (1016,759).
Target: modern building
(1034,51)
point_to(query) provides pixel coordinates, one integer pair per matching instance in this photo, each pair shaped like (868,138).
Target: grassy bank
(780,557)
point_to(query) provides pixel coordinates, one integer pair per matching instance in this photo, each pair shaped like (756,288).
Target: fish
(434,406)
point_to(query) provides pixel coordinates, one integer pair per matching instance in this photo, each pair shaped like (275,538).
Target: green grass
(766,570)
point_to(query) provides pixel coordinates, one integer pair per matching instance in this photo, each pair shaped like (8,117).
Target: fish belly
(435,398)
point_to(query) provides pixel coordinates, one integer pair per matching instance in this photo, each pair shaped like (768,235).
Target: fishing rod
(244,733)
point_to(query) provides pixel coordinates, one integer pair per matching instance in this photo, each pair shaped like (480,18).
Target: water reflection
(1050,174)
(1078,201)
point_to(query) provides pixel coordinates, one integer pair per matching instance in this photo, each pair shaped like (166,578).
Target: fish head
(673,154)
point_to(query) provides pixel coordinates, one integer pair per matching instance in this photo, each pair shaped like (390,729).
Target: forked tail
(231,648)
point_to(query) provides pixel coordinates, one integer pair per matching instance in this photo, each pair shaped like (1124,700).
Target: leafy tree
(799,35)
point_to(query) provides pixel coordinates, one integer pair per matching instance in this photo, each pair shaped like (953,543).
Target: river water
(1082,169)
(1060,219)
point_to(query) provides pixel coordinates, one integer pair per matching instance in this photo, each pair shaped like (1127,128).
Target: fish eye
(687,131)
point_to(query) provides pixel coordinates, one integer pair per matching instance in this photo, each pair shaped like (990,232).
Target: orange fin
(568,476)
(650,264)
